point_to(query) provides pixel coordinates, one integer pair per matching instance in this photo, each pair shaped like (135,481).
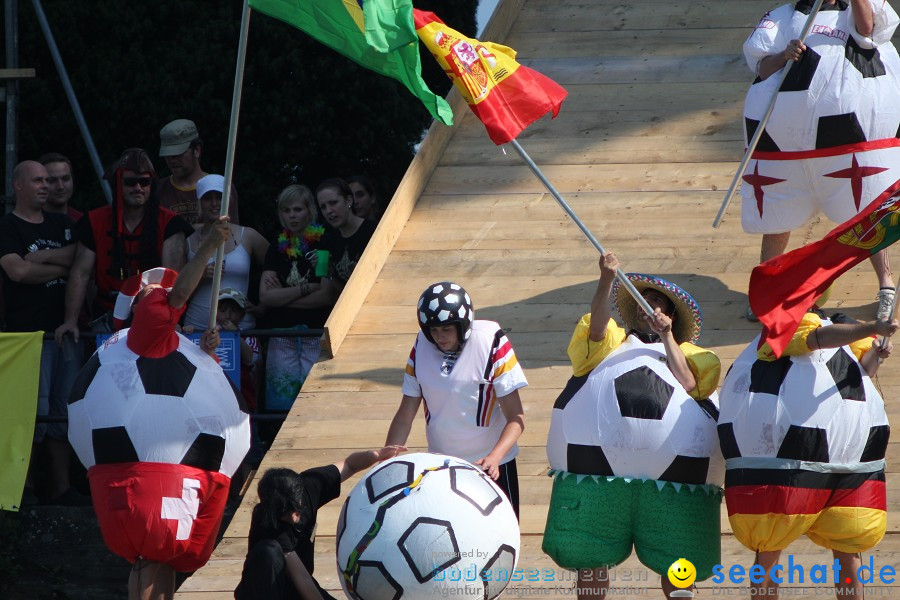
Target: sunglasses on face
(133,181)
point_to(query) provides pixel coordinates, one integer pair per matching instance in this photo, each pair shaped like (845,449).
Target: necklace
(294,246)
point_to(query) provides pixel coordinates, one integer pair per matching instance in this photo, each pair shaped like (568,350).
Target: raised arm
(601,310)
(675,358)
(190,275)
(863,17)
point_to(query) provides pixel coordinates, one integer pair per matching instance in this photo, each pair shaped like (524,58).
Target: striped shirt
(462,414)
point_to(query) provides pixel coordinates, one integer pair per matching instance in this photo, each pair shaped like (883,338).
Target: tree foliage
(307,113)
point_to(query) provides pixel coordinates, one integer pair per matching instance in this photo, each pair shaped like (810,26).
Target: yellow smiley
(682,573)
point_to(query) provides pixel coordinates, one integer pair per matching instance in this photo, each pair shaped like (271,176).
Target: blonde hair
(294,193)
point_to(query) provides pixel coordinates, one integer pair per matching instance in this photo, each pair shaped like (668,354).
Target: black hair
(137,161)
(280,494)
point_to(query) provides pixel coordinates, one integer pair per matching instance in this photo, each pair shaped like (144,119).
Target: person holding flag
(804,437)
(831,142)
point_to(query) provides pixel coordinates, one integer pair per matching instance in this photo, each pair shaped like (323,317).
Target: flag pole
(229,158)
(620,275)
(751,147)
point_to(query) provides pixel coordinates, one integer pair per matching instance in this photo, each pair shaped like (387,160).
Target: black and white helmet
(445,303)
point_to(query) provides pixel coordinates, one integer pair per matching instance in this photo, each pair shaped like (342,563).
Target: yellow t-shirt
(798,346)
(586,354)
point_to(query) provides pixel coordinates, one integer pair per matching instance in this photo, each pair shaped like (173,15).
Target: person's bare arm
(76,287)
(192,272)
(64,257)
(841,334)
(174,252)
(863,17)
(401,424)
(675,358)
(357,461)
(511,404)
(257,244)
(873,358)
(31,273)
(601,310)
(771,64)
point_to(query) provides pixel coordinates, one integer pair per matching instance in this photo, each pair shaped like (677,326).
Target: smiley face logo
(682,573)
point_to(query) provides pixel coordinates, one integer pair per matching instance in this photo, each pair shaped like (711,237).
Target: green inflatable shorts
(594,523)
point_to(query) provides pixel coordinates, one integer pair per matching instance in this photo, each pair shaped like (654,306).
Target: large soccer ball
(630,417)
(179,409)
(425,526)
(817,407)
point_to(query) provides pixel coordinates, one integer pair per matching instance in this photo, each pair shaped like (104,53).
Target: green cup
(322,263)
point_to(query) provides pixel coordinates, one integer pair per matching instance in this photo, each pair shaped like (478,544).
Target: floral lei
(295,246)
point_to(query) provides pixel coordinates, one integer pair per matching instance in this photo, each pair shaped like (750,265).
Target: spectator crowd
(61,271)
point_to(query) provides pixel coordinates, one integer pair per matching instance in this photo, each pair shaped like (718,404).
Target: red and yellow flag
(784,288)
(506,96)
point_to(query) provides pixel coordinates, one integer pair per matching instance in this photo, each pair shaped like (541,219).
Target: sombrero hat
(688,321)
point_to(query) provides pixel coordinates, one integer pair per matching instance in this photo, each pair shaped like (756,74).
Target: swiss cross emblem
(184,509)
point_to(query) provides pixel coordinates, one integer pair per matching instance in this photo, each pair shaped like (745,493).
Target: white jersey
(462,415)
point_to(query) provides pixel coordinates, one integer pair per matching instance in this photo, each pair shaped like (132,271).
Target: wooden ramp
(643,149)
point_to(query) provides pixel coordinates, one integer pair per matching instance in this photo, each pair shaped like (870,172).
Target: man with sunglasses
(130,236)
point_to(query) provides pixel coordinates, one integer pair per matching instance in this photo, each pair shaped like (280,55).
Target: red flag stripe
(831,151)
(782,499)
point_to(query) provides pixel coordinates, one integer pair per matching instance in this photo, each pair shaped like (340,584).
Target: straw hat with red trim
(687,322)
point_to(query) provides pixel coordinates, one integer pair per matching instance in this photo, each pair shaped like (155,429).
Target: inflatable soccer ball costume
(831,141)
(161,438)
(627,445)
(804,438)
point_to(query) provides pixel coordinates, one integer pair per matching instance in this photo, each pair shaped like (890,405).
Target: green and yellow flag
(20,368)
(378,34)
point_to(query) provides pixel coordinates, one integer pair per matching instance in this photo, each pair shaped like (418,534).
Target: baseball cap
(176,137)
(210,183)
(233,294)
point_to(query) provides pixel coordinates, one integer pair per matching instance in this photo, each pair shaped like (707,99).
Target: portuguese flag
(503,94)
(377,34)
(782,289)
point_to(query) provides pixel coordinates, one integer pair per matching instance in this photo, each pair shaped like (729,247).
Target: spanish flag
(784,288)
(20,367)
(503,94)
(377,34)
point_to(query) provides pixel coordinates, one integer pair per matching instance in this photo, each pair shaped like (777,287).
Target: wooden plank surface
(647,141)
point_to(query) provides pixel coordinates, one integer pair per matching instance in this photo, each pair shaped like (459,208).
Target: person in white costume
(464,369)
(831,143)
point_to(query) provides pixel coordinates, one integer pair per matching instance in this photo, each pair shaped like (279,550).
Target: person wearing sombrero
(632,444)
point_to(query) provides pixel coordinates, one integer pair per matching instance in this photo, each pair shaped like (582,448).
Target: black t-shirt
(285,316)
(321,485)
(34,307)
(345,252)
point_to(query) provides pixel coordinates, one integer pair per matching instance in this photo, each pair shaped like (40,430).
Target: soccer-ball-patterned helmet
(445,303)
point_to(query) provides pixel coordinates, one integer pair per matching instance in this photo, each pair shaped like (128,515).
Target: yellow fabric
(841,528)
(705,366)
(849,529)
(586,354)
(20,368)
(770,531)
(798,346)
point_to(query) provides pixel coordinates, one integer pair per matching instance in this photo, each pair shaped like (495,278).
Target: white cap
(210,183)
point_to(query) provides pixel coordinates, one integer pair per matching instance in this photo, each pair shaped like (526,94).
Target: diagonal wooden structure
(643,150)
